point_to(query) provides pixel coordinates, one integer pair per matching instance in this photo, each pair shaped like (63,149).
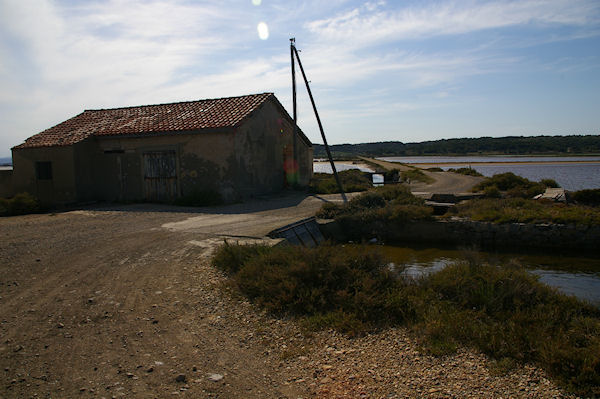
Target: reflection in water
(579,276)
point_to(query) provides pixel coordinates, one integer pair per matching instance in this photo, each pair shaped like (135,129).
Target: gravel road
(121,301)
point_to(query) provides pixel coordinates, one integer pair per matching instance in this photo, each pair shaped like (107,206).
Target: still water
(572,275)
(325,167)
(571,173)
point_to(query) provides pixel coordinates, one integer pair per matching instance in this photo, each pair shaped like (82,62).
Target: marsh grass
(377,212)
(521,210)
(513,186)
(502,311)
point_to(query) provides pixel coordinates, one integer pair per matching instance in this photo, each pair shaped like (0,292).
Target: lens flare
(256,2)
(263,31)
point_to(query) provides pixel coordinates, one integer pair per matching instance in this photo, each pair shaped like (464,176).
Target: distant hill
(514,145)
(6,161)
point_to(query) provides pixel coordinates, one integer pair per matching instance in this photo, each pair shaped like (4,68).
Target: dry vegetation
(501,310)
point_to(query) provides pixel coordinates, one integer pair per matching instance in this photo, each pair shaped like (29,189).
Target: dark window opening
(43,170)
(118,151)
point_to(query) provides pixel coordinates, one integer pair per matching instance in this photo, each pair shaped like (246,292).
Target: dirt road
(122,302)
(107,302)
(443,182)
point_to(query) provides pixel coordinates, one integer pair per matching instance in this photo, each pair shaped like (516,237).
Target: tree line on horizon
(512,145)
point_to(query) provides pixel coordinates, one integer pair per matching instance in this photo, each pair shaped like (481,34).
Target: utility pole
(294,105)
(294,52)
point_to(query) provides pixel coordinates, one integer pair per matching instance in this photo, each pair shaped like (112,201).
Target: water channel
(571,274)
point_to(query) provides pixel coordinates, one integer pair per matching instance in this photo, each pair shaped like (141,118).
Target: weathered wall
(263,156)
(58,190)
(201,161)
(6,186)
(305,163)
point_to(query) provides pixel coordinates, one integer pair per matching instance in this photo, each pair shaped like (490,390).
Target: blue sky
(379,70)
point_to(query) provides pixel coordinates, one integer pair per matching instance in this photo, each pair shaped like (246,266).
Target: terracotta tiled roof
(148,119)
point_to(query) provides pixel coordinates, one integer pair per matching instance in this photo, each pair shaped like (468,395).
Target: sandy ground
(444,182)
(121,301)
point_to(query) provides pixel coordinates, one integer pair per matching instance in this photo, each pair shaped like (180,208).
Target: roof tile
(160,118)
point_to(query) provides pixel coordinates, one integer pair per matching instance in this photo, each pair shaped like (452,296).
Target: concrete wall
(503,236)
(6,186)
(488,236)
(61,189)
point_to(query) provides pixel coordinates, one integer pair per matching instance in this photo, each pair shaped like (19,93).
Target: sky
(405,71)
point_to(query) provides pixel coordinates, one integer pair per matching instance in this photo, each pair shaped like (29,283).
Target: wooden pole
(335,174)
(294,107)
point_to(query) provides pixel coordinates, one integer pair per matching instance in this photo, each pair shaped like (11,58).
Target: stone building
(236,146)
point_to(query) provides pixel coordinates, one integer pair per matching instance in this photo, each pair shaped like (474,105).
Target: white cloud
(366,25)
(59,57)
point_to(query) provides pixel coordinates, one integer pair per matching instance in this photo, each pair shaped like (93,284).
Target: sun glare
(263,31)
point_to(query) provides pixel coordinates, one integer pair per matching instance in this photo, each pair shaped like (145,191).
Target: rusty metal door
(160,176)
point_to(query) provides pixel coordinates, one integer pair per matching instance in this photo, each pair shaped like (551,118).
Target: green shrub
(330,210)
(398,194)
(200,198)
(391,176)
(465,171)
(352,180)
(328,285)
(587,197)
(514,186)
(503,181)
(501,310)
(492,192)
(20,204)
(369,199)
(378,212)
(434,169)
(230,258)
(507,313)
